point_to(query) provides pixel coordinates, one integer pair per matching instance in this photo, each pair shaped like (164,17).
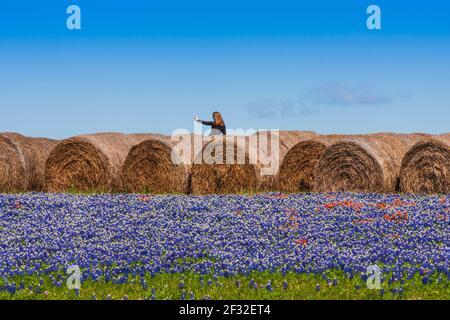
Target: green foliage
(299,287)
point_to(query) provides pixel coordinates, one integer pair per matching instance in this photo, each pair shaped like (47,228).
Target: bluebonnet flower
(12,288)
(335,282)
(91,231)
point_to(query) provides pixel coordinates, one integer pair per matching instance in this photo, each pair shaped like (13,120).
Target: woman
(217,126)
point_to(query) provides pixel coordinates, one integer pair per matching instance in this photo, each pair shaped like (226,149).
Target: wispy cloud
(341,95)
(310,102)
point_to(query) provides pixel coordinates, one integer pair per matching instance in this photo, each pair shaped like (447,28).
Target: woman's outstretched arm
(207,123)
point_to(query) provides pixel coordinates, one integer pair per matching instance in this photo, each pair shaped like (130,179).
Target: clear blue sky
(150,66)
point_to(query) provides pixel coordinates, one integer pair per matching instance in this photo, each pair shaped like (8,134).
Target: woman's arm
(207,123)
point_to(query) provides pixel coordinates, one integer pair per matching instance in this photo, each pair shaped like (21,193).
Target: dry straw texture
(88,163)
(216,178)
(298,169)
(426,166)
(287,140)
(364,163)
(245,176)
(150,167)
(22,162)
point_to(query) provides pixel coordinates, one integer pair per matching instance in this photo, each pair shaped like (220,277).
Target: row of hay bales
(381,163)
(115,162)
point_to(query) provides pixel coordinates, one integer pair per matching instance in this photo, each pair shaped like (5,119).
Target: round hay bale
(12,166)
(426,167)
(244,175)
(150,168)
(364,163)
(89,163)
(22,162)
(216,178)
(287,140)
(298,169)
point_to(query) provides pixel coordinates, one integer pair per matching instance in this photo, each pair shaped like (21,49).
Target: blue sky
(150,66)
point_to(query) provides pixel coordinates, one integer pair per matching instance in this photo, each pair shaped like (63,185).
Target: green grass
(300,286)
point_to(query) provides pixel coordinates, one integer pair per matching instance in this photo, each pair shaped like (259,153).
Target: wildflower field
(263,246)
